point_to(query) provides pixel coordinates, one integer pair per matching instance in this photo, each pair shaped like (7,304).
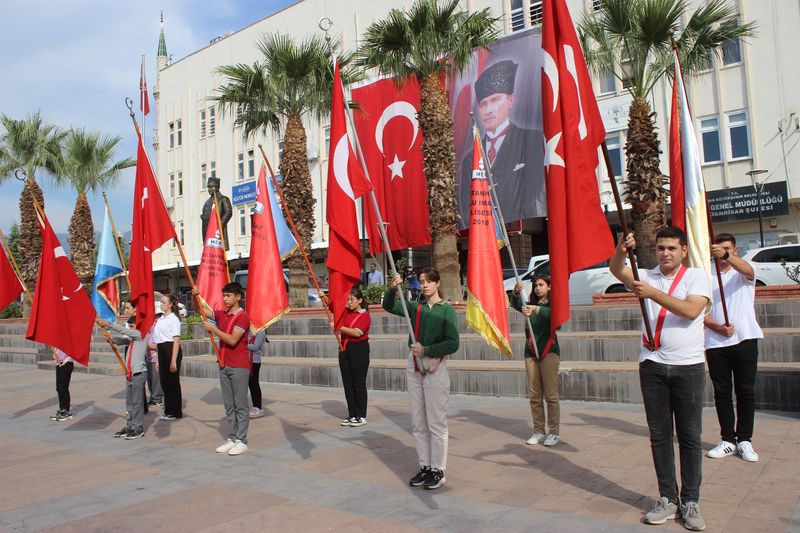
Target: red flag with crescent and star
(577,230)
(391,141)
(151,228)
(62,314)
(346,182)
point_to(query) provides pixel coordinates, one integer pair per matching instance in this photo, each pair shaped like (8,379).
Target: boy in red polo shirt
(231,328)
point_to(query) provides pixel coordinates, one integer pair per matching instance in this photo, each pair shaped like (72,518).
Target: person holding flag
(136,372)
(541,367)
(354,358)
(436,331)
(64,368)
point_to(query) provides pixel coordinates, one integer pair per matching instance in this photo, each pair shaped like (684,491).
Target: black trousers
(63,377)
(354,363)
(734,368)
(673,397)
(255,386)
(170,383)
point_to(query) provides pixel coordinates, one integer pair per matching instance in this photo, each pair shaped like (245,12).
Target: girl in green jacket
(541,368)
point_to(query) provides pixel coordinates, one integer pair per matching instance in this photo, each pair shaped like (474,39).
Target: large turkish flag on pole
(577,230)
(346,182)
(62,314)
(151,228)
(391,141)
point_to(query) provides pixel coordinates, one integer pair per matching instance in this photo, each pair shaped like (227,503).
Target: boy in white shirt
(672,374)
(732,350)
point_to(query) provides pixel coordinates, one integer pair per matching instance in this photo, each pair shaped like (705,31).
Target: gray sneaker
(691,517)
(662,511)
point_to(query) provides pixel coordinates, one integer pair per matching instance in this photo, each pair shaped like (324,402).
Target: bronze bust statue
(224,206)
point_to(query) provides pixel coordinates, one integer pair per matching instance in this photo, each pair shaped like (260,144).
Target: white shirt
(167,327)
(682,340)
(740,295)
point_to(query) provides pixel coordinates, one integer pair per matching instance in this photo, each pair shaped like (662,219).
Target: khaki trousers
(543,387)
(429,397)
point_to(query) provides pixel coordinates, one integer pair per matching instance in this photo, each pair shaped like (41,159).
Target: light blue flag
(286,241)
(109,267)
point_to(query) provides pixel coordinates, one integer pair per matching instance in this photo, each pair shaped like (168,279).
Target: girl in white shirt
(167,340)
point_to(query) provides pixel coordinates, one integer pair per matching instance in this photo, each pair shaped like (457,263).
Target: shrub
(14,310)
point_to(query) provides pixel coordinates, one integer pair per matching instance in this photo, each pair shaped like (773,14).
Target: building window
(179,132)
(202,123)
(615,153)
(280,153)
(180,183)
(525,13)
(517,15)
(709,135)
(172,185)
(180,232)
(242,221)
(627,74)
(608,82)
(596,5)
(251,164)
(536,12)
(732,51)
(212,120)
(239,112)
(203,176)
(739,135)
(212,169)
(240,166)
(327,146)
(171,135)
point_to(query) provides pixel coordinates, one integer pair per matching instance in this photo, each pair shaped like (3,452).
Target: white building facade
(746,109)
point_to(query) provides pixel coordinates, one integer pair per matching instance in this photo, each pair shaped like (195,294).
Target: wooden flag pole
(110,342)
(496,207)
(631,256)
(300,245)
(222,239)
(220,361)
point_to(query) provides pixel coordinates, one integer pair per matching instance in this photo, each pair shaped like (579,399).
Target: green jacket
(540,323)
(438,324)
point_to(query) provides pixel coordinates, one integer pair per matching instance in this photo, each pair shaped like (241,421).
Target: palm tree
(430,40)
(632,40)
(27,146)
(87,166)
(292,80)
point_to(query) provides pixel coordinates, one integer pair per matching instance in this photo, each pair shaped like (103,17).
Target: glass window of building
(739,135)
(179,132)
(731,52)
(212,120)
(180,232)
(326,149)
(240,166)
(203,176)
(242,221)
(709,137)
(536,12)
(517,15)
(212,169)
(180,183)
(608,82)
(171,128)
(202,123)
(615,153)
(251,163)
(172,185)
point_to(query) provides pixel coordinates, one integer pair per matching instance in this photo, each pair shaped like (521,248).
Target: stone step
(106,369)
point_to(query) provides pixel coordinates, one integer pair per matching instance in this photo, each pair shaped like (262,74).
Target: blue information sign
(244,193)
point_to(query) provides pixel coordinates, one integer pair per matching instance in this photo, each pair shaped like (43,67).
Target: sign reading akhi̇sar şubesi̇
(741,203)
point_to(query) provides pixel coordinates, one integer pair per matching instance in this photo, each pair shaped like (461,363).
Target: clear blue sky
(77,60)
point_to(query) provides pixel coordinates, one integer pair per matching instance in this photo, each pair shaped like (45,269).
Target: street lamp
(758,187)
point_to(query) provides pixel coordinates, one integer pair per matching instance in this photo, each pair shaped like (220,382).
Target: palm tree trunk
(299,194)
(30,239)
(81,242)
(645,186)
(440,167)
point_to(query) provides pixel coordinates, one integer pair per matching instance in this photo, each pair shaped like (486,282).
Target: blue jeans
(675,393)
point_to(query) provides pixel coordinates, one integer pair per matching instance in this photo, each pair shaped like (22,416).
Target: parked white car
(767,263)
(583,284)
(508,275)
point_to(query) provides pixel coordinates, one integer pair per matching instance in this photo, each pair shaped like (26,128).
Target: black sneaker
(55,416)
(419,479)
(65,415)
(134,434)
(434,480)
(122,432)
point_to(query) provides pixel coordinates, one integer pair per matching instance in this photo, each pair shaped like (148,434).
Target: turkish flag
(577,230)
(62,314)
(346,182)
(144,100)
(391,141)
(10,285)
(266,299)
(151,228)
(212,274)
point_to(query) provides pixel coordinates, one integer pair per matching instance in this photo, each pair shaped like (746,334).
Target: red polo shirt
(237,356)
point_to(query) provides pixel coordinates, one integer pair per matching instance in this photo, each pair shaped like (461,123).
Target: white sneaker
(723,449)
(238,449)
(551,440)
(536,438)
(345,421)
(226,446)
(357,421)
(746,451)
(255,412)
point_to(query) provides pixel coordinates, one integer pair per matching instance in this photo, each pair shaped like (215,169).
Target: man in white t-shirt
(672,373)
(732,350)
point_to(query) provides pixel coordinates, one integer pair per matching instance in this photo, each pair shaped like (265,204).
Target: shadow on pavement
(41,405)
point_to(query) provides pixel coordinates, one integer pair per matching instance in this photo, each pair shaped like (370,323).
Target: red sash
(663,313)
(347,339)
(416,334)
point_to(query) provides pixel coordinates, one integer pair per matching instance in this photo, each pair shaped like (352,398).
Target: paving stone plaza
(304,472)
